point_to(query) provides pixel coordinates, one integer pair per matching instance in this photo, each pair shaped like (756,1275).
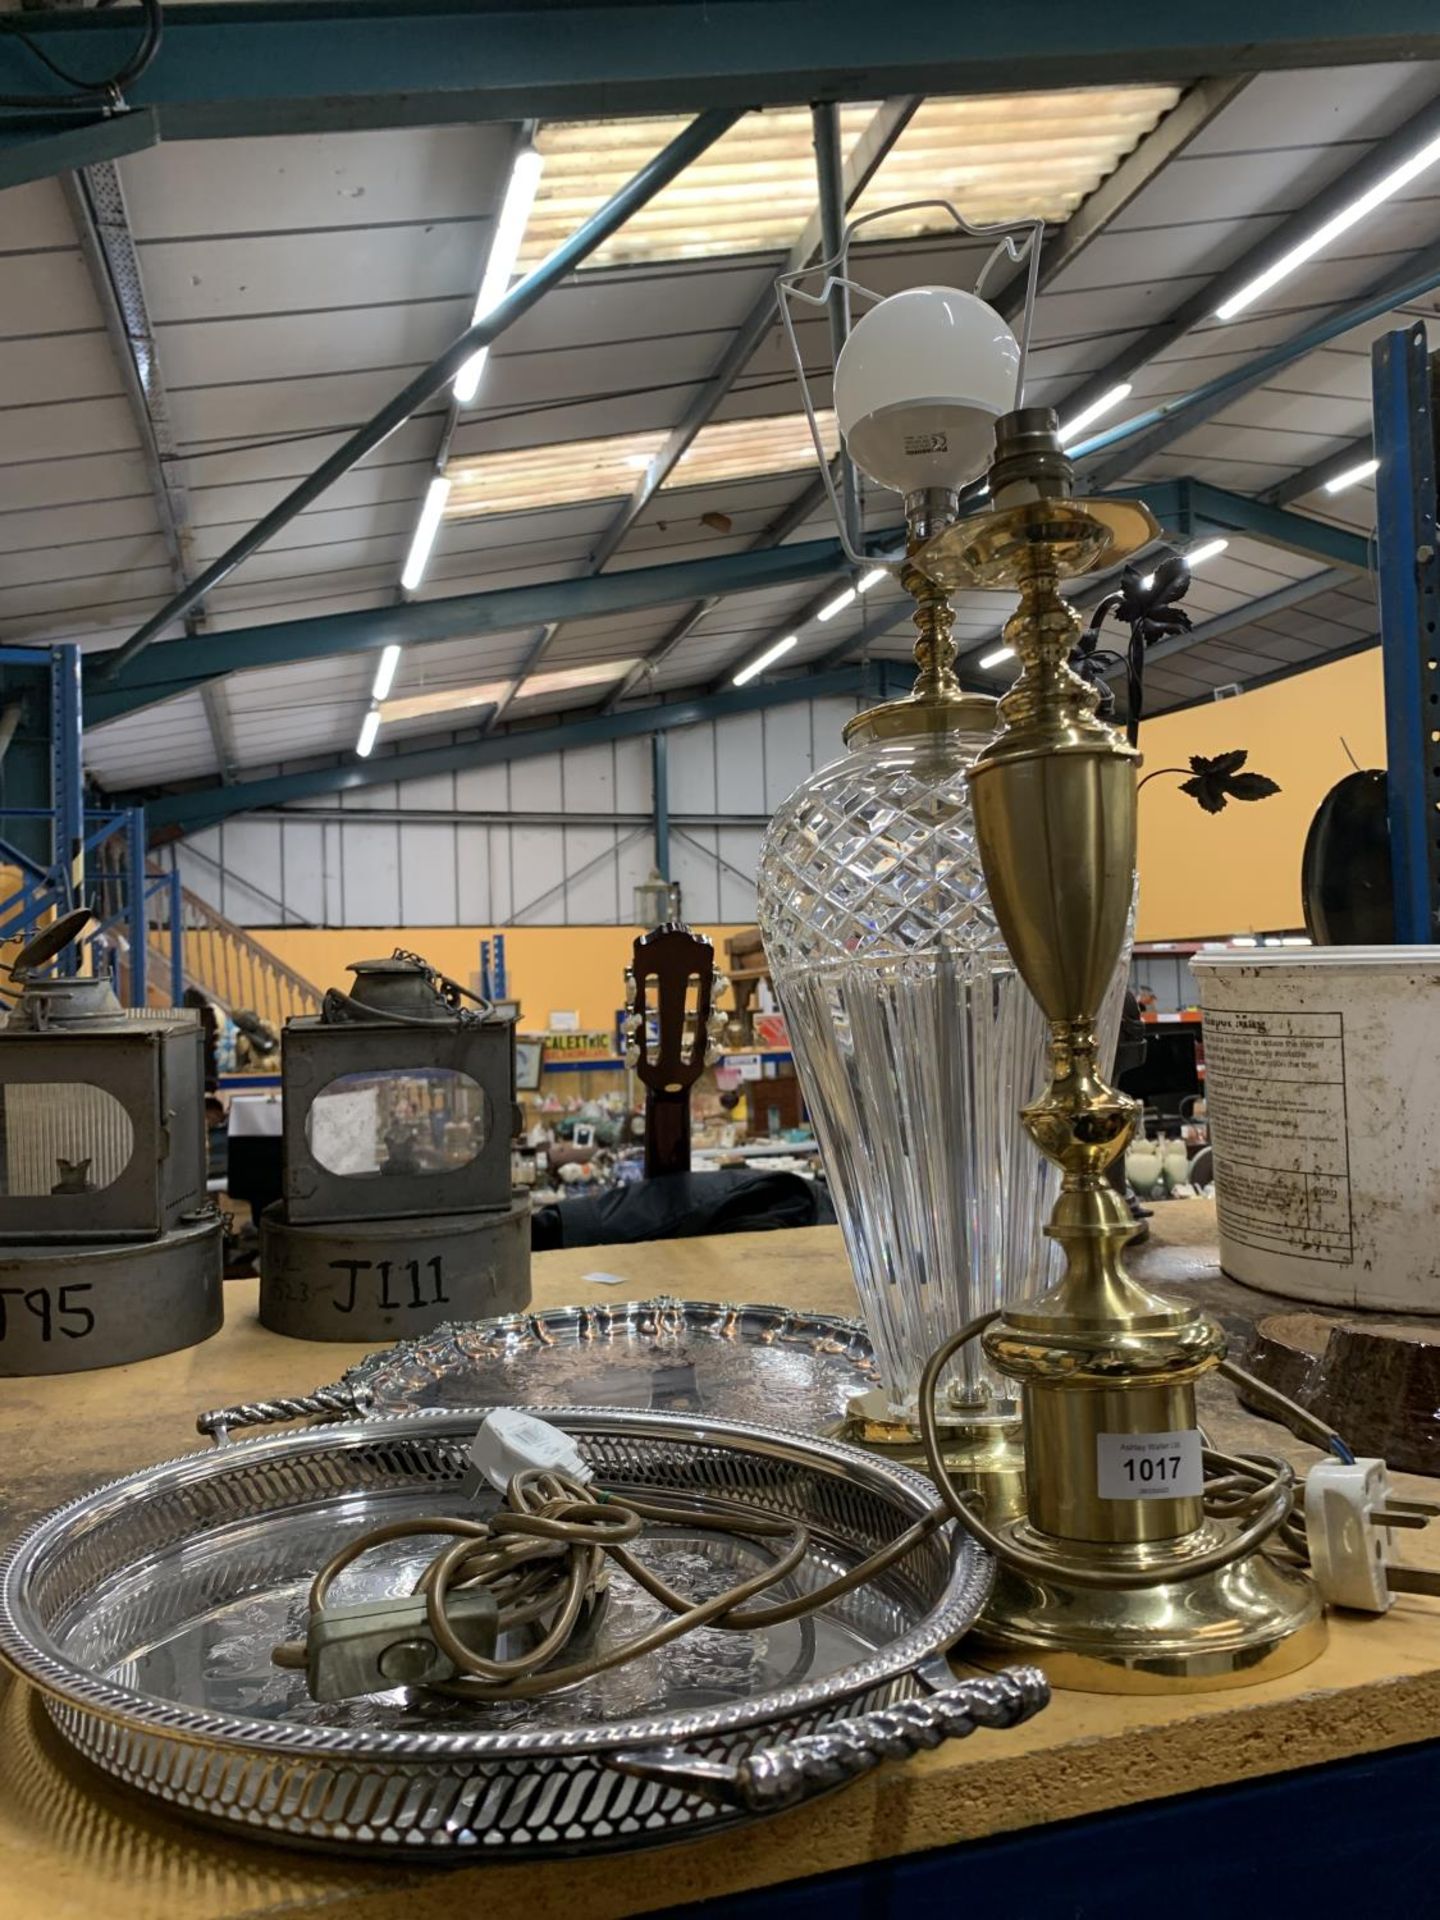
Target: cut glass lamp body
(916,1044)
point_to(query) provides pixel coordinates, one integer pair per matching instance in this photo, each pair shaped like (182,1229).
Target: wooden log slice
(1376,1382)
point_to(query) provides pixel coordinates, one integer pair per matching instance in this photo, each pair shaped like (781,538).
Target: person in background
(1129,1053)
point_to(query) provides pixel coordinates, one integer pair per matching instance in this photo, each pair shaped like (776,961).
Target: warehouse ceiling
(190,329)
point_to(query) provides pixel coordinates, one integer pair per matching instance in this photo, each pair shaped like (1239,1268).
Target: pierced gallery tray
(146,1612)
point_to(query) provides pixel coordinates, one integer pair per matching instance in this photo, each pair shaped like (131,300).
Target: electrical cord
(542,1557)
(87,93)
(1265,1500)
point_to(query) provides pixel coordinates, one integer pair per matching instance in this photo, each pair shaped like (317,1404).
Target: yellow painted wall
(1239,871)
(569,969)
(1200,874)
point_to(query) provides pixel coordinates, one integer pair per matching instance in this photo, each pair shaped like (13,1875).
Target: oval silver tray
(145,1613)
(764,1363)
(664,1355)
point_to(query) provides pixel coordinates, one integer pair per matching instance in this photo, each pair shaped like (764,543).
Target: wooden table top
(71,1845)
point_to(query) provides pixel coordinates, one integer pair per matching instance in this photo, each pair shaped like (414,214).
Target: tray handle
(783,1775)
(325,1403)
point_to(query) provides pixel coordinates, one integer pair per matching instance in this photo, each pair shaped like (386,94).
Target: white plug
(1349,1510)
(509,1441)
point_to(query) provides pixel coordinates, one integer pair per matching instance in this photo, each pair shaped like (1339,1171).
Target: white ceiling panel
(46,293)
(73,528)
(67,428)
(1321,104)
(73,367)
(307,181)
(34,217)
(33,486)
(296,283)
(196,278)
(94,560)
(395,333)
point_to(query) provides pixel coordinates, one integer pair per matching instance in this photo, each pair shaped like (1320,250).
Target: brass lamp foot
(1252,1620)
(983,1456)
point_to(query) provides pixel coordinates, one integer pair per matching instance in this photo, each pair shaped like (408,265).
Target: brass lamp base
(983,1456)
(1252,1620)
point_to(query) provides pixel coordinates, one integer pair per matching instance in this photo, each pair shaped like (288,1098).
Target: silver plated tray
(145,1613)
(765,1363)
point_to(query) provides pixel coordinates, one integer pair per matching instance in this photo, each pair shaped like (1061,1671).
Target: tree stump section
(1376,1382)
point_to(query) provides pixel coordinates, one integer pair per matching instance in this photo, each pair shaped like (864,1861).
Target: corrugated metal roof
(1000,157)
(574,470)
(295,283)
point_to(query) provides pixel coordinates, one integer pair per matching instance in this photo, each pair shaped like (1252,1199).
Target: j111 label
(1149,1466)
(53,1310)
(393,1284)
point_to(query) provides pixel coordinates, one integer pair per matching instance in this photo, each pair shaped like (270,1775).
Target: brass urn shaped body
(1115,1577)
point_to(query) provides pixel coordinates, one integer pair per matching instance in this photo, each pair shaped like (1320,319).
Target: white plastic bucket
(1322,1084)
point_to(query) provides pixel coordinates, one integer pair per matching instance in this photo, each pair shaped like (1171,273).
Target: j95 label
(53,1312)
(1149,1466)
(389,1283)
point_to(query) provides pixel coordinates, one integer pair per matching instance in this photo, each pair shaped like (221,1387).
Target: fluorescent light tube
(1107,403)
(500,265)
(385,673)
(426,529)
(1332,229)
(1352,476)
(766,659)
(872,579)
(1197,556)
(837,605)
(994,659)
(369,727)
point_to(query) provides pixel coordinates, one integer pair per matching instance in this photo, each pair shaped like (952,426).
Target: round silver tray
(145,1613)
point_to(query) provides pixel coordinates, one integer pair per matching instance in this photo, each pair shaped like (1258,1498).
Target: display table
(71,1845)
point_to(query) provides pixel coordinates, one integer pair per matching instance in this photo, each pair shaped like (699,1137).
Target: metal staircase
(230,966)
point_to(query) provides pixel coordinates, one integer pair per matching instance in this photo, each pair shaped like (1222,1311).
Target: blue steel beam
(657,173)
(180,665)
(883,621)
(67,793)
(865,158)
(1226,512)
(1106,457)
(308,66)
(860,167)
(1409,623)
(1372,166)
(1063,245)
(660,798)
(182,813)
(1238,618)
(1312,478)
(38,152)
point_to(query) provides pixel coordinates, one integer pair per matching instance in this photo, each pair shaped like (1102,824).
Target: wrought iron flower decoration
(1146,601)
(1215,781)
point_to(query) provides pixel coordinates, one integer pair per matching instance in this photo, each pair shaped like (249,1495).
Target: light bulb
(919,385)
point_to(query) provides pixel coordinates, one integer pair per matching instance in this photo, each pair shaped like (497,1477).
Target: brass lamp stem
(934,619)
(1146,1589)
